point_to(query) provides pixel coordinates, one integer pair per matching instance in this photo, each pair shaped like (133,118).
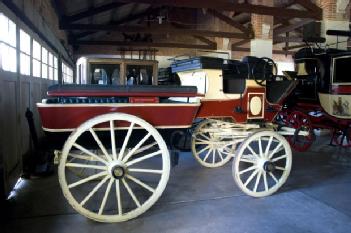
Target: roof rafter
(152,30)
(229,6)
(93,11)
(144,44)
(229,21)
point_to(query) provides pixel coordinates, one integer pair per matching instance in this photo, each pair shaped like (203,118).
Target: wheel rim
(123,182)
(300,122)
(262,164)
(209,149)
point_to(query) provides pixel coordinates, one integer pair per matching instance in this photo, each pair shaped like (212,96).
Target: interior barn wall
(19,92)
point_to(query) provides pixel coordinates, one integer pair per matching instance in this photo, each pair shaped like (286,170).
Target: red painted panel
(69,117)
(143,99)
(236,108)
(341,89)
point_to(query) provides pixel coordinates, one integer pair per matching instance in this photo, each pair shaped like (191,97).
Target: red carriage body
(230,97)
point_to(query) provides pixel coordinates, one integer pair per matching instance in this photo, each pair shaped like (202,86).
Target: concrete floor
(316,198)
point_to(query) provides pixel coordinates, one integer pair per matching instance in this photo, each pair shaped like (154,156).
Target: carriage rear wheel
(301,122)
(209,149)
(119,183)
(262,163)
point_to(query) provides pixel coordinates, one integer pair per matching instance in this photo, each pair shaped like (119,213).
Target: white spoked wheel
(209,149)
(262,163)
(123,181)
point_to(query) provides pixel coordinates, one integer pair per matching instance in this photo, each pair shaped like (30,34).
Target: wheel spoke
(125,142)
(107,192)
(77,156)
(273,176)
(260,148)
(79,147)
(118,196)
(257,180)
(276,150)
(265,181)
(144,148)
(250,177)
(145,170)
(96,188)
(280,168)
(86,166)
(130,153)
(213,156)
(220,155)
(252,151)
(101,146)
(208,153)
(148,156)
(202,150)
(247,161)
(198,141)
(279,158)
(203,135)
(268,146)
(113,140)
(247,169)
(139,182)
(85,180)
(131,192)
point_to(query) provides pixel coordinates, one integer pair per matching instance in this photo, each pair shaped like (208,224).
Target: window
(25,53)
(44,62)
(8,44)
(341,69)
(67,74)
(51,66)
(55,68)
(36,59)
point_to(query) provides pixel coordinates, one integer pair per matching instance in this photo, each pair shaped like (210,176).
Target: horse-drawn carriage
(115,163)
(322,97)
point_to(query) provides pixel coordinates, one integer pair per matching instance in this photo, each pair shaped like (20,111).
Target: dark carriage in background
(322,97)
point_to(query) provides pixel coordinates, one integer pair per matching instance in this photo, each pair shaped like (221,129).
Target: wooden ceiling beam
(230,21)
(229,6)
(152,30)
(93,11)
(275,51)
(144,44)
(239,43)
(284,29)
(308,5)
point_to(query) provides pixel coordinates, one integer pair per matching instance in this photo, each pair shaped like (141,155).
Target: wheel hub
(268,166)
(118,171)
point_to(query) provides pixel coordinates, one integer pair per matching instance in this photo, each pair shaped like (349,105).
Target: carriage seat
(75,90)
(277,90)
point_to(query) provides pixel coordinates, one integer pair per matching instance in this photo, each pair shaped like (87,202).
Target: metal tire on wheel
(127,181)
(209,150)
(262,163)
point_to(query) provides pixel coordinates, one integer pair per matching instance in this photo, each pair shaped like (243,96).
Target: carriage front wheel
(124,177)
(262,163)
(208,147)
